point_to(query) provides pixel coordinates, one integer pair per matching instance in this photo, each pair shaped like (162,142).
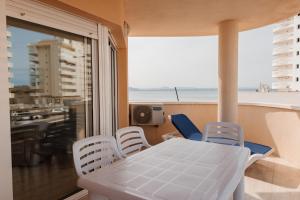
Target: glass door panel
(50,107)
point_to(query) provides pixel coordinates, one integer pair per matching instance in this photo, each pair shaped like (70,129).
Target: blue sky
(20,39)
(193,61)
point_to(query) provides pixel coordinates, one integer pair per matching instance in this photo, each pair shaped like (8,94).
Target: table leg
(239,191)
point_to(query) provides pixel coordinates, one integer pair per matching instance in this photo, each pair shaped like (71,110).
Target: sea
(183,94)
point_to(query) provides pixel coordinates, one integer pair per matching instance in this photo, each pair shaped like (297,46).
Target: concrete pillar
(228,71)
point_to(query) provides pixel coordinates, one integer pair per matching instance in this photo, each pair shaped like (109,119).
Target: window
(297,66)
(50,104)
(297,79)
(297,53)
(298,26)
(298,39)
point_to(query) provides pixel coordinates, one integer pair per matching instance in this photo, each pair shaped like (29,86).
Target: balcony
(68,80)
(10,65)
(65,86)
(283,50)
(9,54)
(282,85)
(280,38)
(8,34)
(282,73)
(8,43)
(67,72)
(282,62)
(286,25)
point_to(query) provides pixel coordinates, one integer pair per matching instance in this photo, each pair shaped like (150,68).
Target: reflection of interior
(40,141)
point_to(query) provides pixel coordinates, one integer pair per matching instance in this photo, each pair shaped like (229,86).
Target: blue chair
(189,131)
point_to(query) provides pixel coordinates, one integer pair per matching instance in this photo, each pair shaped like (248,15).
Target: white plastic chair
(94,152)
(131,139)
(223,133)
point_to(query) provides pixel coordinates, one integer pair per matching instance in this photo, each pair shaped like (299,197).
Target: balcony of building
(283,38)
(282,61)
(286,50)
(284,26)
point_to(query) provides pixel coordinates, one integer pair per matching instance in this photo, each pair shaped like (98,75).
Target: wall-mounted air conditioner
(146,114)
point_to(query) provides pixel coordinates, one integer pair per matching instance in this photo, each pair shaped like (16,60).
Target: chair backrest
(131,139)
(224,133)
(94,152)
(184,125)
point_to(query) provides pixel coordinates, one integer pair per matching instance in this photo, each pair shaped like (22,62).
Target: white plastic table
(177,169)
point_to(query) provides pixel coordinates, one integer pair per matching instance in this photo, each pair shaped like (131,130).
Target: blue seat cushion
(257,148)
(195,136)
(189,131)
(186,127)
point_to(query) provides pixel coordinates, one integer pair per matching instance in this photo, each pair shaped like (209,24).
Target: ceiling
(201,17)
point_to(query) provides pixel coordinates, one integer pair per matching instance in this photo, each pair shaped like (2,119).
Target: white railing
(8,34)
(283,37)
(284,25)
(282,50)
(282,73)
(9,54)
(282,85)
(282,61)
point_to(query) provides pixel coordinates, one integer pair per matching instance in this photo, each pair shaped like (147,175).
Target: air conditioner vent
(146,114)
(142,114)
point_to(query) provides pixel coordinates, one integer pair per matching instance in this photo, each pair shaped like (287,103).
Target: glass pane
(50,106)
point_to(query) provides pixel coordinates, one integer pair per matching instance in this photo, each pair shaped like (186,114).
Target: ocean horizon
(186,94)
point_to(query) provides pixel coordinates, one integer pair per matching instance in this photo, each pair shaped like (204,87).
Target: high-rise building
(286,55)
(58,68)
(9,55)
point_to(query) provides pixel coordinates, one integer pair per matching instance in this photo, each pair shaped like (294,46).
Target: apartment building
(56,69)
(286,56)
(10,65)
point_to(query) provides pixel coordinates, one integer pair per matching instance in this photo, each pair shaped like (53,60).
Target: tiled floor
(271,179)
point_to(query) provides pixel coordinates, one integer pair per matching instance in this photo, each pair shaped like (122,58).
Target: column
(228,71)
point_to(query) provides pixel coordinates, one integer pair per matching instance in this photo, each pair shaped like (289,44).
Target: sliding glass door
(51,98)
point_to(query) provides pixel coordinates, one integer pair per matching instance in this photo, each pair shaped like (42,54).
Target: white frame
(5,141)
(114,82)
(46,15)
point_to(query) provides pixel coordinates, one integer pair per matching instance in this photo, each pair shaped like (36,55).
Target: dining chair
(94,152)
(223,133)
(131,139)
(189,130)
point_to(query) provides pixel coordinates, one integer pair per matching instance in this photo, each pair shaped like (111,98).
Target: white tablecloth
(176,169)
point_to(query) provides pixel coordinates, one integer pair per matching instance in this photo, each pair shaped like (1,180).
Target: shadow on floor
(275,173)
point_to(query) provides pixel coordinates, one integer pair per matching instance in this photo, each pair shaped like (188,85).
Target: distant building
(58,68)
(286,55)
(10,65)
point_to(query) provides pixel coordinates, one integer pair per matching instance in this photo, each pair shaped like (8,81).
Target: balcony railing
(8,34)
(282,73)
(284,85)
(283,50)
(285,25)
(282,62)
(283,37)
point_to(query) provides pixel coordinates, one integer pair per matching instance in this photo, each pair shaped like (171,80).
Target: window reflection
(50,99)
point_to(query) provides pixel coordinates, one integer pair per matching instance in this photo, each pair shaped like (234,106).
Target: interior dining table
(176,169)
